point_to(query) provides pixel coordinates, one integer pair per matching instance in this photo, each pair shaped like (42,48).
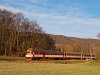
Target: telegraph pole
(91,54)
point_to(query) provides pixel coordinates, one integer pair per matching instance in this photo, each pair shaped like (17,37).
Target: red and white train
(54,54)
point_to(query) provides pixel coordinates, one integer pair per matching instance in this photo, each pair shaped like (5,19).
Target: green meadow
(48,68)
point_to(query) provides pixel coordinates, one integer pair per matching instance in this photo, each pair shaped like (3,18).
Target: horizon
(73,18)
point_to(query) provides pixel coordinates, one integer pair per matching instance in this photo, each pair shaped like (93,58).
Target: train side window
(36,52)
(40,53)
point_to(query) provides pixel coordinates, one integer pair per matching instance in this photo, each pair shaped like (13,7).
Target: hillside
(73,44)
(64,40)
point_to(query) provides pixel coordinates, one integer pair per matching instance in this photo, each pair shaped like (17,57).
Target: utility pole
(81,55)
(91,54)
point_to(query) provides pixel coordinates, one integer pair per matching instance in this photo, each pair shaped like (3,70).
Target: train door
(64,55)
(43,54)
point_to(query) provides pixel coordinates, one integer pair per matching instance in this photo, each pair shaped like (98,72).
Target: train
(32,54)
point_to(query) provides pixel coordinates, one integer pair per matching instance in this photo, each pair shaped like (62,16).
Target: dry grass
(30,68)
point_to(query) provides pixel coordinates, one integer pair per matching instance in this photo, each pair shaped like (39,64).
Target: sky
(72,18)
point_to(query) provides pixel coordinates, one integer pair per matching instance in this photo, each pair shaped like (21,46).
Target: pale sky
(74,18)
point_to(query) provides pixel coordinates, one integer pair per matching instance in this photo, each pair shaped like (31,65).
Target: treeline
(18,33)
(72,44)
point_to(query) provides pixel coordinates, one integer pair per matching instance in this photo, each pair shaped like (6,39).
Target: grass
(11,58)
(33,68)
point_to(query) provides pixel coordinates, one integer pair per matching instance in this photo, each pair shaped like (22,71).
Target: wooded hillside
(73,44)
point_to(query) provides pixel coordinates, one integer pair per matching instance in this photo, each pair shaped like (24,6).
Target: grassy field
(34,68)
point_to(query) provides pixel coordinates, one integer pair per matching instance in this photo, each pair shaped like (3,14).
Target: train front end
(29,55)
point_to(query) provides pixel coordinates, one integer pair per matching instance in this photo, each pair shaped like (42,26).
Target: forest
(17,34)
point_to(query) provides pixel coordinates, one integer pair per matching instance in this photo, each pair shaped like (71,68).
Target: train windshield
(29,52)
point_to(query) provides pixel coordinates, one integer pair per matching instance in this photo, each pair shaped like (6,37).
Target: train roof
(47,50)
(74,52)
(55,51)
(30,49)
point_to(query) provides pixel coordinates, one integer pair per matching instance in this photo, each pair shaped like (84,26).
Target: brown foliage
(18,33)
(72,44)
